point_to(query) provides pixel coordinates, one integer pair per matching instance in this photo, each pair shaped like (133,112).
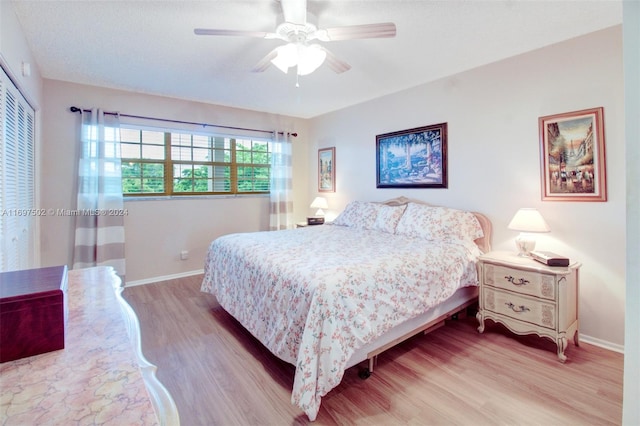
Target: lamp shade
(310,58)
(528,220)
(287,57)
(319,203)
(306,57)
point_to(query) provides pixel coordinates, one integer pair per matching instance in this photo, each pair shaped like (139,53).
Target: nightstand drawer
(534,311)
(520,281)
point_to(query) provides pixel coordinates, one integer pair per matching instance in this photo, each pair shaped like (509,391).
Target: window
(157,162)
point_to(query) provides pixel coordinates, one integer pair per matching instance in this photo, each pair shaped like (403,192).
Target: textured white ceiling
(149,46)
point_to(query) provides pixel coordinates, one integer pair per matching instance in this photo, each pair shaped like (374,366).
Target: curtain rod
(76,109)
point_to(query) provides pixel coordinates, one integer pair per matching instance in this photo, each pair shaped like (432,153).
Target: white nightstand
(305,224)
(529,297)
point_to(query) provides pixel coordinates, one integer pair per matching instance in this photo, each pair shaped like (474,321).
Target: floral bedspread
(314,295)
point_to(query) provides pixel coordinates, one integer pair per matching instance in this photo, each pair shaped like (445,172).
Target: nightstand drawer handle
(521,281)
(518,309)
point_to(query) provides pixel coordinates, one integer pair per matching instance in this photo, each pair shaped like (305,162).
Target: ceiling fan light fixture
(287,57)
(310,58)
(306,58)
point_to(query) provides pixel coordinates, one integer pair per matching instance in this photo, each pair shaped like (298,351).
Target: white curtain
(99,233)
(281,205)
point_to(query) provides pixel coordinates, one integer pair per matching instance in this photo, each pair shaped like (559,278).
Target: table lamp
(319,203)
(528,221)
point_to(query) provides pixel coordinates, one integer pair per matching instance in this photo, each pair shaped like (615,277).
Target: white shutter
(2,145)
(17,178)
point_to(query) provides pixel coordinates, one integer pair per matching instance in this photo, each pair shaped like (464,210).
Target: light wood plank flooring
(219,374)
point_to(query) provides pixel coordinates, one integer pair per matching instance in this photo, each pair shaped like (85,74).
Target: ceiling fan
(300,33)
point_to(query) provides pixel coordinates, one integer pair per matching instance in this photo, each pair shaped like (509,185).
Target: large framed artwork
(413,158)
(572,156)
(327,170)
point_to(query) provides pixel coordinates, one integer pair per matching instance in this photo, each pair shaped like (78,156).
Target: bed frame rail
(436,323)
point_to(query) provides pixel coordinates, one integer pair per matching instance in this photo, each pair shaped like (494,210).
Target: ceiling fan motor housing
(297,32)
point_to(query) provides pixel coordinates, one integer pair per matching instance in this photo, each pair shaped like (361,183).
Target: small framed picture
(327,170)
(572,156)
(414,158)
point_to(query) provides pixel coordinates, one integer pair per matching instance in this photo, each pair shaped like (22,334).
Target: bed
(325,298)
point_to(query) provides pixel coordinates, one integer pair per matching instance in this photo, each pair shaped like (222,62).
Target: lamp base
(525,244)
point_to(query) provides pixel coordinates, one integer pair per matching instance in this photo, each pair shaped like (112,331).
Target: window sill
(190,197)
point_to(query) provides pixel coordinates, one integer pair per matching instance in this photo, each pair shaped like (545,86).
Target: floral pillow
(359,214)
(388,218)
(438,223)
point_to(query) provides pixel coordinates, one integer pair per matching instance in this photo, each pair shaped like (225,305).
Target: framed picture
(572,156)
(414,158)
(327,170)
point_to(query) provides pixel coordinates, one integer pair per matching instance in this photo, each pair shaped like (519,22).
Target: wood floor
(219,374)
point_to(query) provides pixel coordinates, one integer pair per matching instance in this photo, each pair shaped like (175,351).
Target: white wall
(631,23)
(494,160)
(14,52)
(156,231)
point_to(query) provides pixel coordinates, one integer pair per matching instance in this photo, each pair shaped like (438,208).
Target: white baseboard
(163,278)
(602,343)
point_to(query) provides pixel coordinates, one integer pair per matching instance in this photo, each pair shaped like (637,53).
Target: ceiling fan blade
(217,32)
(381,30)
(294,11)
(337,65)
(264,63)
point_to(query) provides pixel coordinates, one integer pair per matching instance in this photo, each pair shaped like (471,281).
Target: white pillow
(388,218)
(439,223)
(358,214)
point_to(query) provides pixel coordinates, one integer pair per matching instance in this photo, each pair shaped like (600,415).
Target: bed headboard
(484,243)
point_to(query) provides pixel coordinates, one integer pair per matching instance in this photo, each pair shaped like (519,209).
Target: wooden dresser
(529,297)
(99,377)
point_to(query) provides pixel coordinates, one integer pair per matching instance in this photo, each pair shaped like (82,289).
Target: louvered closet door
(17,178)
